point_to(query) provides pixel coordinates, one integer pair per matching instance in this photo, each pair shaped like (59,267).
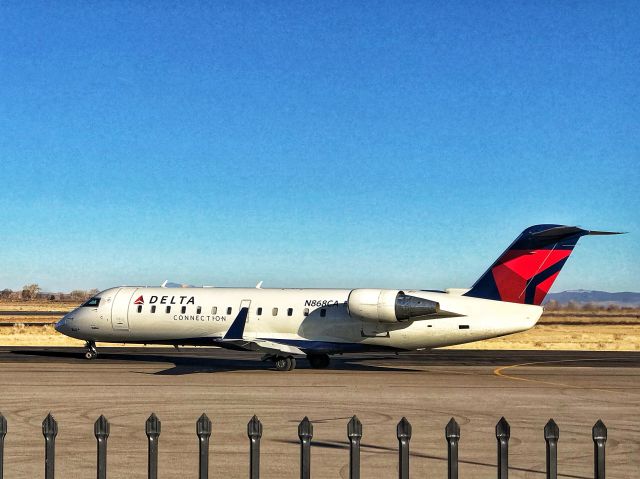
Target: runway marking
(498,372)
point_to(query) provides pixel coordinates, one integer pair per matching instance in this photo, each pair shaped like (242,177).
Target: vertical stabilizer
(525,272)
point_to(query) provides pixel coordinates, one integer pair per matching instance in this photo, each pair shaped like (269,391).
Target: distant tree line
(31,292)
(554,305)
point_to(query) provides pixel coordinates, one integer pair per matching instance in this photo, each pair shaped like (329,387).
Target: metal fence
(305,433)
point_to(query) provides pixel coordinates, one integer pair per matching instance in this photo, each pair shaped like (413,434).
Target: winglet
(236,330)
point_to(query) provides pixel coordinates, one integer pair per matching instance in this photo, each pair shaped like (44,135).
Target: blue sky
(340,144)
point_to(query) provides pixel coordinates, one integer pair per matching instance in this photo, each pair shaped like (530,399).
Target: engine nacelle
(388,305)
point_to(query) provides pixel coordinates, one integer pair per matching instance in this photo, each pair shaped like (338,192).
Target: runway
(475,387)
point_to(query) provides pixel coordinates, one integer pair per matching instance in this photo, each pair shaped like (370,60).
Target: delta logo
(140,300)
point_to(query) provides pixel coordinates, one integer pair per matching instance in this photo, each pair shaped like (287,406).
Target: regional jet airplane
(316,323)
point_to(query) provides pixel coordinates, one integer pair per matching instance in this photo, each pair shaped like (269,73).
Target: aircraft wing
(234,338)
(272,346)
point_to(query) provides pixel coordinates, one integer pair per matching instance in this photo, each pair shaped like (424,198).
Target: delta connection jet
(286,324)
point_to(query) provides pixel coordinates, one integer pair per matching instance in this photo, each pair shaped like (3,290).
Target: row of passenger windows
(214,310)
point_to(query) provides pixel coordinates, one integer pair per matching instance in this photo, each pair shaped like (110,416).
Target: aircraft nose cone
(59,325)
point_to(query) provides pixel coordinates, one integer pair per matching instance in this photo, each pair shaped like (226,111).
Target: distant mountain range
(598,297)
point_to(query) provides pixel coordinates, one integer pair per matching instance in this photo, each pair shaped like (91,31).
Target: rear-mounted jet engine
(389,306)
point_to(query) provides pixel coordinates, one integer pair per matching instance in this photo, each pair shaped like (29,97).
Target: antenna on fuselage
(259,285)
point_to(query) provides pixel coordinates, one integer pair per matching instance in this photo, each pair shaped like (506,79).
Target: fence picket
(599,435)
(503,432)
(305,433)
(101,430)
(354,433)
(254,431)
(49,431)
(403,432)
(452,434)
(3,433)
(551,435)
(203,430)
(152,429)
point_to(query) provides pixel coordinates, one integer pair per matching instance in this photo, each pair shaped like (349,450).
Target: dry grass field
(584,330)
(37,305)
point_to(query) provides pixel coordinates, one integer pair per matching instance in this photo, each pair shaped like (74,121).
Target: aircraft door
(104,309)
(120,308)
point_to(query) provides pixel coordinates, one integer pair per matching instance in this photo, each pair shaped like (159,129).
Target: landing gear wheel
(318,361)
(285,363)
(292,363)
(91,352)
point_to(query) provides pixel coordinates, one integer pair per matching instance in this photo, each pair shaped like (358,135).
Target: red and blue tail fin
(527,269)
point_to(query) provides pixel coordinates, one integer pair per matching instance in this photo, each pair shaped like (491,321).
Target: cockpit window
(93,302)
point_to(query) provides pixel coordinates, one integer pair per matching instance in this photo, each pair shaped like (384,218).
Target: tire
(292,363)
(285,363)
(90,355)
(282,363)
(318,361)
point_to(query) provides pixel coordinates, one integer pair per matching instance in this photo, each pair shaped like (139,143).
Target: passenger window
(323,313)
(139,308)
(214,310)
(199,310)
(259,311)
(274,311)
(229,309)
(153,308)
(306,311)
(168,309)
(290,312)
(183,309)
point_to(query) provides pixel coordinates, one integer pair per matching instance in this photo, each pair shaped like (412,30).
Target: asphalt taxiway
(475,387)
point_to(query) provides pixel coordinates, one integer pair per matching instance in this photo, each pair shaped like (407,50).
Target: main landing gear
(283,363)
(318,361)
(288,363)
(91,352)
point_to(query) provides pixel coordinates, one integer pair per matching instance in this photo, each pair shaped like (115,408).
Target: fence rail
(305,433)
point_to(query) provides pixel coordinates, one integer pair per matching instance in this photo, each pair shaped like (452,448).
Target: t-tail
(525,272)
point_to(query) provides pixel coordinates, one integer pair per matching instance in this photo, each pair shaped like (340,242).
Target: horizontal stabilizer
(595,233)
(559,232)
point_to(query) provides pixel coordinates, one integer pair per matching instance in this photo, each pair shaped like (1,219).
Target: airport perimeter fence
(305,433)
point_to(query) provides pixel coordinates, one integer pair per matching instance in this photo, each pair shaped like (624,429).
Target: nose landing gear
(91,352)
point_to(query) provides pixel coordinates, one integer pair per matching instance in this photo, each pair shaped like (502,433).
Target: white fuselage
(297,321)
